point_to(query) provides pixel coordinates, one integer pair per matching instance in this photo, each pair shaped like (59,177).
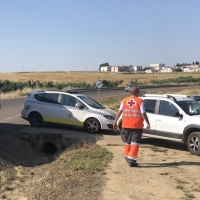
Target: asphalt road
(11,108)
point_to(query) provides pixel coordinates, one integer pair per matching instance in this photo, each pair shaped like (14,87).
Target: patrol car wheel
(193,143)
(92,125)
(35,119)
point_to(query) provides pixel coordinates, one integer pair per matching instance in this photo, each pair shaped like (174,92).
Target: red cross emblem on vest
(131,103)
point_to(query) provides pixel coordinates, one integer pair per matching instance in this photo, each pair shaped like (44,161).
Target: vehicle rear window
(39,97)
(149,105)
(47,97)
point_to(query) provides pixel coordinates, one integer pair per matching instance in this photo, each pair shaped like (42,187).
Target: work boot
(133,165)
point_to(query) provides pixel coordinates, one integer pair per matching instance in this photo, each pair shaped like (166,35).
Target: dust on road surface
(166,171)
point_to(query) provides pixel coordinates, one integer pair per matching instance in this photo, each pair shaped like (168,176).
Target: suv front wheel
(193,143)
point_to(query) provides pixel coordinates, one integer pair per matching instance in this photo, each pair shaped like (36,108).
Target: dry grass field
(89,77)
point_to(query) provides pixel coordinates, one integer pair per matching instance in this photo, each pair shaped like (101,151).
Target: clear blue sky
(48,35)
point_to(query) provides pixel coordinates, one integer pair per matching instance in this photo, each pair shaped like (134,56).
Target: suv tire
(35,119)
(92,125)
(193,143)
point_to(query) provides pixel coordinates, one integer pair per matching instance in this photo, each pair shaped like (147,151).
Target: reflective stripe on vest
(131,110)
(132,115)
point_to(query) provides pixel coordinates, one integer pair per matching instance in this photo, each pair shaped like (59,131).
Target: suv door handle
(159,120)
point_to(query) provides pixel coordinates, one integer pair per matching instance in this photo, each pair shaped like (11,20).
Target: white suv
(66,108)
(173,117)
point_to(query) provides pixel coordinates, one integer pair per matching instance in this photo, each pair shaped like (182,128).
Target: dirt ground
(166,171)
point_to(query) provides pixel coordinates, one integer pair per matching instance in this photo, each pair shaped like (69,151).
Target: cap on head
(134,90)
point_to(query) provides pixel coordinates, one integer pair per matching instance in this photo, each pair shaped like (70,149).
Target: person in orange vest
(133,116)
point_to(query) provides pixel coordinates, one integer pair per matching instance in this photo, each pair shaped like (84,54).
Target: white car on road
(65,108)
(173,117)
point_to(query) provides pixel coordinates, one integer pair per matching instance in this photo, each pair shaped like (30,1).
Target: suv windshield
(197,98)
(91,102)
(190,107)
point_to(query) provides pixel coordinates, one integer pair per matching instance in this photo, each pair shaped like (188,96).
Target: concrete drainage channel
(48,143)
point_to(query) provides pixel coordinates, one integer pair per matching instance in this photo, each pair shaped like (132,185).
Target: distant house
(191,68)
(121,68)
(167,69)
(157,66)
(135,68)
(149,71)
(105,69)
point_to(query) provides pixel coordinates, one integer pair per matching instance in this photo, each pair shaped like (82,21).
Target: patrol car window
(91,102)
(149,105)
(39,97)
(51,97)
(69,100)
(167,108)
(47,97)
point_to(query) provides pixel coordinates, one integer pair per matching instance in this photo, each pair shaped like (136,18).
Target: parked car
(65,108)
(128,86)
(172,117)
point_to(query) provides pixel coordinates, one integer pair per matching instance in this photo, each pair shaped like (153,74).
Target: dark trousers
(132,143)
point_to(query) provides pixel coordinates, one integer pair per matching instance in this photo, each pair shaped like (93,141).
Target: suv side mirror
(79,105)
(177,114)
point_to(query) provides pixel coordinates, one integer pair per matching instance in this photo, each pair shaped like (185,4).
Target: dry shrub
(17,93)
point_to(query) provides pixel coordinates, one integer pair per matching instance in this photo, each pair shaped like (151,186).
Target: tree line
(9,86)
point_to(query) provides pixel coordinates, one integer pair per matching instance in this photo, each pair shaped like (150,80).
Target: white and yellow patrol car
(65,108)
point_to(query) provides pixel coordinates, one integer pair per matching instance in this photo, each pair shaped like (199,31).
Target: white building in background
(191,68)
(121,68)
(156,66)
(167,69)
(149,71)
(105,69)
(135,68)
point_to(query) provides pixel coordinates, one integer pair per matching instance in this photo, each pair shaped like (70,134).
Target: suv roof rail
(178,95)
(159,95)
(181,95)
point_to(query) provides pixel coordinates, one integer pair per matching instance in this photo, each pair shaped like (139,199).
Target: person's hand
(115,126)
(148,127)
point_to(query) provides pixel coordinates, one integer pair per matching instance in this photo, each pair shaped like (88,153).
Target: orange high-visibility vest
(132,117)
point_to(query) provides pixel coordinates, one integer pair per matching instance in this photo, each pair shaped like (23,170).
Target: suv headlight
(109,117)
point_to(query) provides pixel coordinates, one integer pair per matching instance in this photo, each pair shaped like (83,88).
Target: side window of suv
(167,108)
(47,97)
(149,105)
